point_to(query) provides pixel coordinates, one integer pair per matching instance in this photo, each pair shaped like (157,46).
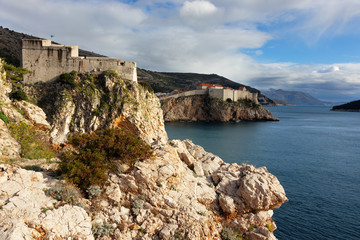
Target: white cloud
(328,69)
(197,9)
(335,82)
(200,14)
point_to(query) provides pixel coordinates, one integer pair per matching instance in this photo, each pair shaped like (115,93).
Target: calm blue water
(315,153)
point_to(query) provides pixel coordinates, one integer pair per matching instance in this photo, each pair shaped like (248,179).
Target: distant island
(348,107)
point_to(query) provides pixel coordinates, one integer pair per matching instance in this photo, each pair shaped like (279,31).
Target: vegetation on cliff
(96,154)
(94,101)
(33,143)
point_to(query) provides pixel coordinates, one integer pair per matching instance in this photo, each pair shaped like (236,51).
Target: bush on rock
(97,153)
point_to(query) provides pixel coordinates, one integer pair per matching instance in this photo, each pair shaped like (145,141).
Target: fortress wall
(255,97)
(188,93)
(47,62)
(216,93)
(222,94)
(228,94)
(126,70)
(247,95)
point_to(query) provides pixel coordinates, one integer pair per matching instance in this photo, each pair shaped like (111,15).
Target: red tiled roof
(241,88)
(205,85)
(229,88)
(209,85)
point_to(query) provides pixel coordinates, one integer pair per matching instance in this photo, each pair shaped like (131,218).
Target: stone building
(47,61)
(224,93)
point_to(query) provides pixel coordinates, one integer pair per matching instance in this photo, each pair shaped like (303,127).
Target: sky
(304,45)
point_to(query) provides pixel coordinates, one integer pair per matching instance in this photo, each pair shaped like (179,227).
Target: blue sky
(305,45)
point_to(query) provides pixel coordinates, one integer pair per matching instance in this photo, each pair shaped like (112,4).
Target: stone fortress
(47,61)
(217,91)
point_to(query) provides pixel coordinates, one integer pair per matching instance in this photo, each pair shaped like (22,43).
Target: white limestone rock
(168,231)
(198,169)
(13,114)
(5,87)
(227,204)
(113,192)
(251,188)
(67,221)
(260,190)
(61,125)
(34,113)
(9,147)
(26,208)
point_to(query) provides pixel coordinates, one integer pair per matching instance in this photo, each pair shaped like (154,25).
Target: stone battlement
(218,91)
(47,61)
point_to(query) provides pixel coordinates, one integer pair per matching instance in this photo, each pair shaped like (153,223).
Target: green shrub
(178,235)
(15,74)
(68,78)
(136,206)
(146,86)
(4,117)
(94,191)
(248,103)
(98,153)
(111,73)
(101,230)
(65,193)
(269,227)
(34,168)
(32,145)
(229,234)
(18,94)
(228,100)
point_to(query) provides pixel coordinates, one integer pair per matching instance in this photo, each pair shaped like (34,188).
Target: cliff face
(182,192)
(94,102)
(203,108)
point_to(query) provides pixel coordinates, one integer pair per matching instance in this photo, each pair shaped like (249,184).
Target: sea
(315,154)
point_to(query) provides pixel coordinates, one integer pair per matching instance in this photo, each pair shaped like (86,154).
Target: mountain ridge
(295,97)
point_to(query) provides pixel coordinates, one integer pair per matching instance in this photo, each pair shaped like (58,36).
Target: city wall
(234,95)
(187,93)
(47,61)
(222,94)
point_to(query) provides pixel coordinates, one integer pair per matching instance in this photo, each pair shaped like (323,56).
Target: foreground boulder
(28,213)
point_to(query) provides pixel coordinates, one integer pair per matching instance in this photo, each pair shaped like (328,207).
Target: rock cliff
(203,108)
(89,102)
(182,192)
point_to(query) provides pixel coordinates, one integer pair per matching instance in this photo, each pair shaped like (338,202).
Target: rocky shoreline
(204,108)
(181,192)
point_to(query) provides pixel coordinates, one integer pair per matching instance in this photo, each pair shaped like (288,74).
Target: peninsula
(213,102)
